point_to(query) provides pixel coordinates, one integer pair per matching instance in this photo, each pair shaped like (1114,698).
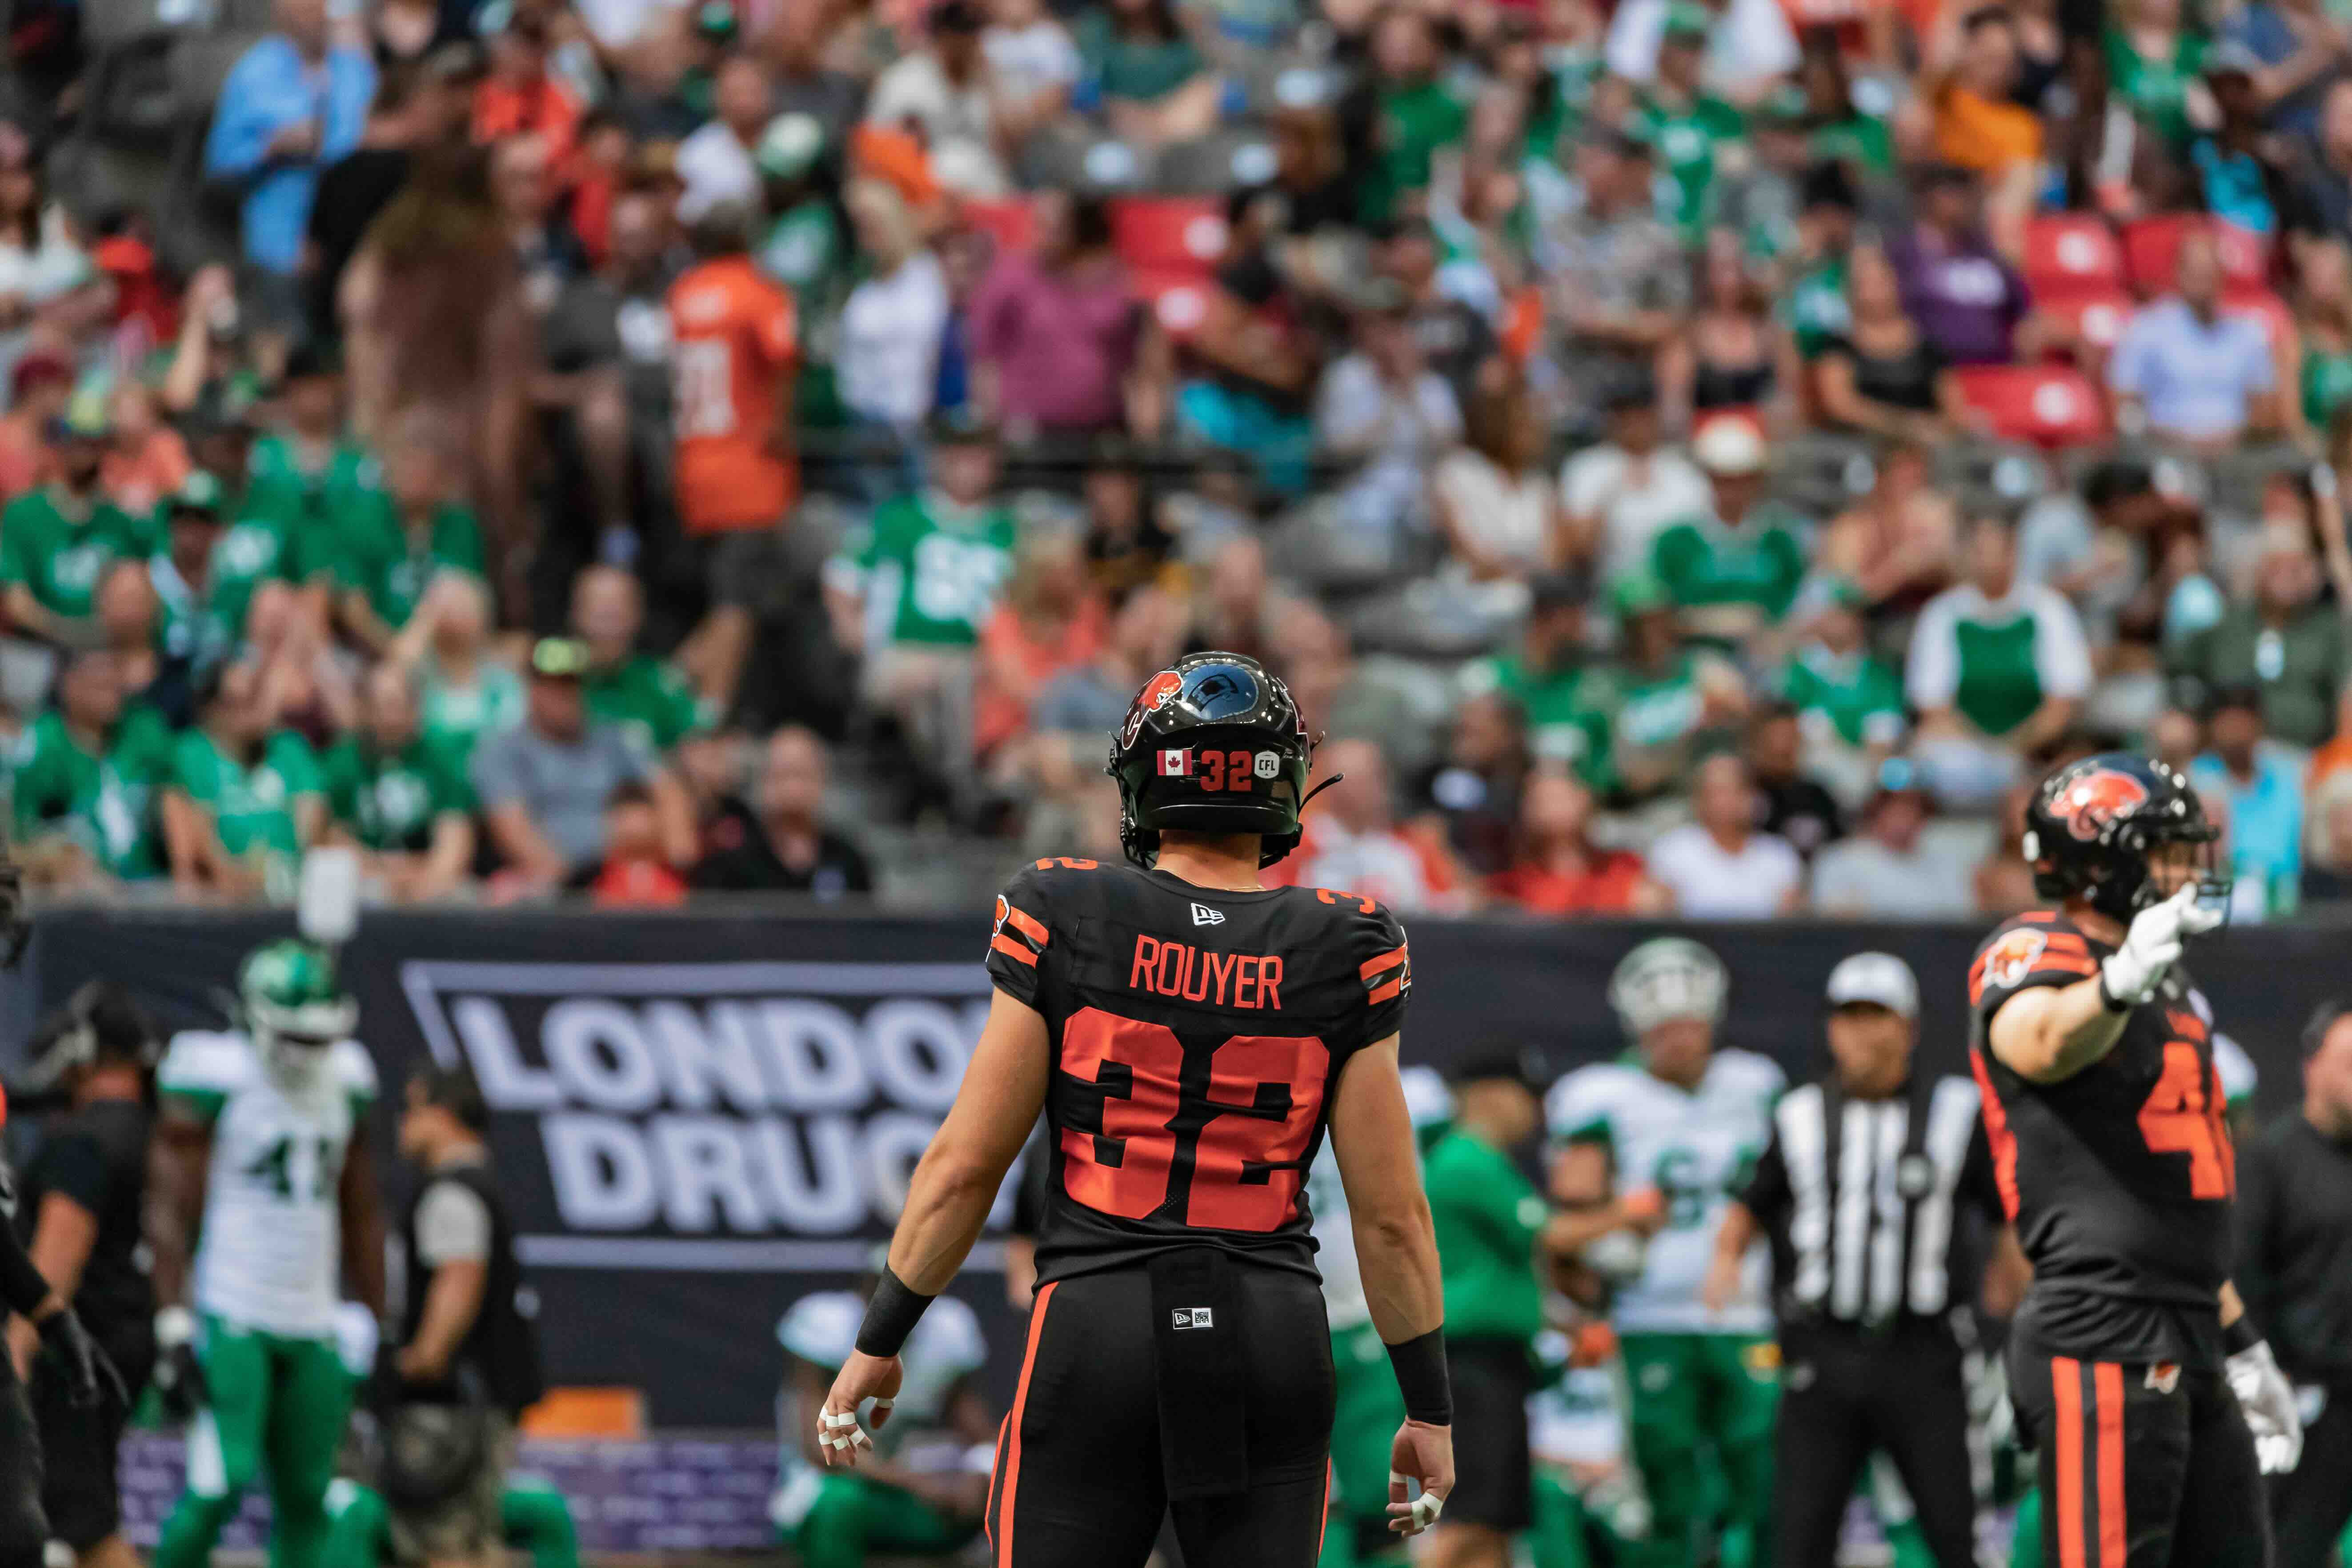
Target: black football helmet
(2093,825)
(1212,744)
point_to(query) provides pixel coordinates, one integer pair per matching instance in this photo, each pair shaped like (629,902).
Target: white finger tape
(1397,1477)
(859,1440)
(836,1419)
(1425,1510)
(825,1442)
(885,1404)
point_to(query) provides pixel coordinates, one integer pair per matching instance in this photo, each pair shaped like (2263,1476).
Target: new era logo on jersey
(1203,915)
(1175,763)
(1193,1317)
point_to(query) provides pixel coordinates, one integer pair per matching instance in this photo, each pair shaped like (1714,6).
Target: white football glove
(2152,946)
(2268,1400)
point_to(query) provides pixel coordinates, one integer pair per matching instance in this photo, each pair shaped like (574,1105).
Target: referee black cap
(1500,1060)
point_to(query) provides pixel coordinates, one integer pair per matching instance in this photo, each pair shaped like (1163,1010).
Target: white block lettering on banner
(604,1177)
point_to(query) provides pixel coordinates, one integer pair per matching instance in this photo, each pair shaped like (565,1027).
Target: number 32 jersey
(2119,1178)
(1197,1035)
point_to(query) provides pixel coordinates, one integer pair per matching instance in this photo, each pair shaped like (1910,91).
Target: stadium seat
(2151,243)
(2277,318)
(1178,296)
(2050,405)
(1010,222)
(1160,235)
(2094,313)
(2070,251)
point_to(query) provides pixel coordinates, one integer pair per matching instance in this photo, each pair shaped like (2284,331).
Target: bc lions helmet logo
(2011,958)
(1157,693)
(2095,802)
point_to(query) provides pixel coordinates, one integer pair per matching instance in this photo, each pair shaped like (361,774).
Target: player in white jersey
(1653,1148)
(262,1137)
(926,1488)
(1366,1408)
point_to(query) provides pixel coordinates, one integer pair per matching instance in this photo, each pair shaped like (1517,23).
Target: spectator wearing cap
(1059,341)
(1619,285)
(400,796)
(646,695)
(1684,122)
(83,779)
(39,387)
(1622,492)
(244,800)
(306,470)
(913,588)
(1848,700)
(56,541)
(1733,569)
(1998,669)
(1794,805)
(944,91)
(1035,63)
(1662,703)
(1720,865)
(1885,871)
(778,841)
(1492,497)
(1971,305)
(2294,51)
(544,784)
(1556,868)
(394,540)
(1881,374)
(717,161)
(293,104)
(2186,370)
(2259,785)
(802,244)
(2282,643)
(202,607)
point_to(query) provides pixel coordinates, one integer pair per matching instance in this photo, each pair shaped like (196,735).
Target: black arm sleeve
(21,1285)
(1766,1191)
(2257,1196)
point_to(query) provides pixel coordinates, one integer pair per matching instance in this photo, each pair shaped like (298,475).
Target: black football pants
(2141,1465)
(2310,1503)
(24,1529)
(1847,1392)
(1082,1471)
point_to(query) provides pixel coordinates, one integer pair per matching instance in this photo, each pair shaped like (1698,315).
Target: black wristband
(22,1287)
(2240,1335)
(1421,1375)
(890,1316)
(2108,998)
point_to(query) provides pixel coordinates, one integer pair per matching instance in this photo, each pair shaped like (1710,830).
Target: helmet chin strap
(1319,789)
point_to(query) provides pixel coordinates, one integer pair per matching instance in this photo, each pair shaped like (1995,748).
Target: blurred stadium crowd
(1687,456)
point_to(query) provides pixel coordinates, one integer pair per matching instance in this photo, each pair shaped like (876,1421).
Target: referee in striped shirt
(1868,1191)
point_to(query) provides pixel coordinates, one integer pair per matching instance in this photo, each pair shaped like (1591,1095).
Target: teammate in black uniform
(2094,1052)
(1189,1035)
(85,1193)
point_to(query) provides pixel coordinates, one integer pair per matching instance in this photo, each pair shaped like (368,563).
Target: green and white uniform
(1721,575)
(1685,137)
(834,1518)
(930,569)
(252,804)
(1566,710)
(392,802)
(1996,660)
(62,558)
(276,1393)
(1704,1384)
(381,557)
(648,697)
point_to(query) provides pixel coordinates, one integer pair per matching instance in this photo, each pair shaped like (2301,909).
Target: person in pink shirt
(1062,343)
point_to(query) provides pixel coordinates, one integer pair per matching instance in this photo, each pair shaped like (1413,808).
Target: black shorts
(1494,1475)
(80,1489)
(1097,1434)
(2142,1464)
(24,1530)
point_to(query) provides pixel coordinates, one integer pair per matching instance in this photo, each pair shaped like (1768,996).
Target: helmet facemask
(294,1041)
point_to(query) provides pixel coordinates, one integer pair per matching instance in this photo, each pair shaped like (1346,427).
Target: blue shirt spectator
(292,104)
(2258,785)
(2298,50)
(2199,373)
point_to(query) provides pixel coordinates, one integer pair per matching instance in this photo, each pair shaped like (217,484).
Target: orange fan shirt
(735,345)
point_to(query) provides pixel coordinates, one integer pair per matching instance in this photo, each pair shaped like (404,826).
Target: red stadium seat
(2151,243)
(1011,222)
(2071,252)
(2050,405)
(2278,321)
(2095,314)
(1179,296)
(1169,234)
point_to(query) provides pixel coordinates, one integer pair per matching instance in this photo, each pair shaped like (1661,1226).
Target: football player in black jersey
(1189,1035)
(2154,1404)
